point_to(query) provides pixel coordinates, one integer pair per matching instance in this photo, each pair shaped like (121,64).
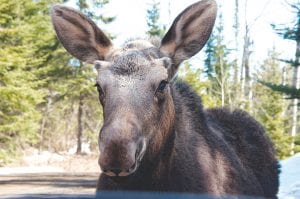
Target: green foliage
(200,86)
(271,107)
(91,9)
(25,36)
(41,85)
(39,82)
(218,66)
(153,14)
(290,33)
(290,91)
(297,143)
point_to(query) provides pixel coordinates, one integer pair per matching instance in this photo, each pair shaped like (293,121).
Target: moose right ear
(189,33)
(80,35)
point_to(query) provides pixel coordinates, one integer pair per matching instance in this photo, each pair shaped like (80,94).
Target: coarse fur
(156,136)
(214,151)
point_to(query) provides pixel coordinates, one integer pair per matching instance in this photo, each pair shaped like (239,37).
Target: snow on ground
(290,178)
(85,148)
(34,161)
(30,169)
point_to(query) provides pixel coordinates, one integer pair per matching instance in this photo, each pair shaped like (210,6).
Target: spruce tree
(293,90)
(270,106)
(153,15)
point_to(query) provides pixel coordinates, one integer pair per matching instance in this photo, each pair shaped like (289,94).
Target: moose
(156,136)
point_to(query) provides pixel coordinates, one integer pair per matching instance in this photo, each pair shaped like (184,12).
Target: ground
(290,178)
(44,174)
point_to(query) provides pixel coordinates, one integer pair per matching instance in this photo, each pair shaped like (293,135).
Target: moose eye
(162,86)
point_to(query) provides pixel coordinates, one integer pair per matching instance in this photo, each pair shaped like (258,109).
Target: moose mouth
(124,173)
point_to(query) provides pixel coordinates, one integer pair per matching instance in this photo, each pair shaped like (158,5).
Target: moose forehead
(138,58)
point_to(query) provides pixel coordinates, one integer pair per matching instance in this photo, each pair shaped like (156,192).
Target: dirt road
(49,185)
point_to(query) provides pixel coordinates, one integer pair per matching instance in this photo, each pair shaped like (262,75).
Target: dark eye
(162,86)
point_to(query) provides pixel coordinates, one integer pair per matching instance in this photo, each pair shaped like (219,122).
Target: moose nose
(112,172)
(116,171)
(119,172)
(119,159)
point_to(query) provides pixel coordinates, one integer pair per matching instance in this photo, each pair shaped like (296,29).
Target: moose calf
(156,136)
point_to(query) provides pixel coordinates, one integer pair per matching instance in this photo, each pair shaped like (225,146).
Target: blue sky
(131,22)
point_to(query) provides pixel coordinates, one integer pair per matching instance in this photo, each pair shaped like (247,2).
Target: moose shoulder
(156,136)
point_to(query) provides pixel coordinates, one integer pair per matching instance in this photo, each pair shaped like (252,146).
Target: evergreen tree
(40,84)
(293,91)
(217,65)
(271,106)
(153,14)
(200,85)
(25,42)
(80,87)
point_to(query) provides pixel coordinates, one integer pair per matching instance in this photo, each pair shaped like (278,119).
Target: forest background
(48,100)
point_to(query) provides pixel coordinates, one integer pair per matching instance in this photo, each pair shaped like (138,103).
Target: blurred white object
(290,178)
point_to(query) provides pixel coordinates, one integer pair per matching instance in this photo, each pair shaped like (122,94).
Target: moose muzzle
(120,152)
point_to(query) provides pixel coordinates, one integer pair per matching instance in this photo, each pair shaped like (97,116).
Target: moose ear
(189,32)
(80,35)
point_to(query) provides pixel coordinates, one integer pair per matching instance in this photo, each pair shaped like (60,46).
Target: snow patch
(85,148)
(290,178)
(31,169)
(42,158)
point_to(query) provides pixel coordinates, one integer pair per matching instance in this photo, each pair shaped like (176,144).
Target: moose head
(134,81)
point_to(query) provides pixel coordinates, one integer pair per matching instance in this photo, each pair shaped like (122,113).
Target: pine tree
(153,15)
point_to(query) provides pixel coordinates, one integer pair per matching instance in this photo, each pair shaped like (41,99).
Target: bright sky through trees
(131,21)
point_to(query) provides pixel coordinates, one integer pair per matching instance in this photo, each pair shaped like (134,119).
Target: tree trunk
(244,66)
(236,84)
(43,123)
(80,125)
(223,79)
(246,86)
(295,109)
(284,83)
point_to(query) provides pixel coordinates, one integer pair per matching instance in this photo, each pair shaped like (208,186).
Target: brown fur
(214,151)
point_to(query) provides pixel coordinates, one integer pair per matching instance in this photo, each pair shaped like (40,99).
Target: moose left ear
(189,32)
(80,35)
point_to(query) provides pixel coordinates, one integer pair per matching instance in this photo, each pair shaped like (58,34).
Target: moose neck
(185,104)
(158,166)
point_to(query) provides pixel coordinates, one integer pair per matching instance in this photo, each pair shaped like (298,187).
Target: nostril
(116,171)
